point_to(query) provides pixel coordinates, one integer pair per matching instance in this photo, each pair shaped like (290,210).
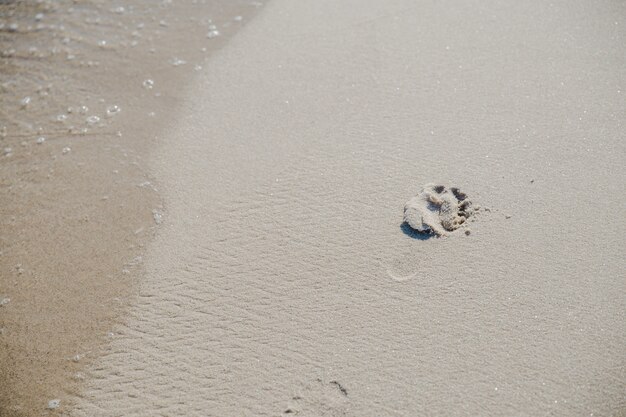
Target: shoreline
(240,248)
(80,204)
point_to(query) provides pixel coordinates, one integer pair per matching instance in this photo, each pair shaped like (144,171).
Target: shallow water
(86,88)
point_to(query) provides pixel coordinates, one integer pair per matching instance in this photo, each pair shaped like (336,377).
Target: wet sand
(281,281)
(86,90)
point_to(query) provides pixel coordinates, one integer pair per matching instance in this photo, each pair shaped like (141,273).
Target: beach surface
(85,89)
(280,279)
(282,282)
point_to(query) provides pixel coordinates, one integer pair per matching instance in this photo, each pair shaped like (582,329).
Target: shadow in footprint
(414,234)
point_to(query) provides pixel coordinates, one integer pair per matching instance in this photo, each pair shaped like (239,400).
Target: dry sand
(281,281)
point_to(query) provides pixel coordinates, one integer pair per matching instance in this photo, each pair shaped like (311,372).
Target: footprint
(400,270)
(319,399)
(437,210)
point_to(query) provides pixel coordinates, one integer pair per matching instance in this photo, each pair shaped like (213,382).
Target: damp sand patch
(86,89)
(438,210)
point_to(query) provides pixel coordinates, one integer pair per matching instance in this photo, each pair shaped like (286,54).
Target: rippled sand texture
(86,87)
(272,286)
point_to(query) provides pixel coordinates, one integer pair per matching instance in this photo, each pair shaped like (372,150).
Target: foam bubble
(113,110)
(158,216)
(177,62)
(54,404)
(92,120)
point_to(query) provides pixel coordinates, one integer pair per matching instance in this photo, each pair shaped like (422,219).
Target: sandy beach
(276,276)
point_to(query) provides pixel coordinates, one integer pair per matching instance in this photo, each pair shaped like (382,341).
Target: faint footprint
(437,210)
(398,270)
(319,399)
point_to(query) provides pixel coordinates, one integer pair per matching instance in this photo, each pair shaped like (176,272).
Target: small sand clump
(437,209)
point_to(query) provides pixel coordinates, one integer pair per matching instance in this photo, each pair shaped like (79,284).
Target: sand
(438,210)
(270,287)
(77,200)
(281,280)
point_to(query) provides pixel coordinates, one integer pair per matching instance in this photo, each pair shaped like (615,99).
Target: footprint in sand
(437,210)
(319,399)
